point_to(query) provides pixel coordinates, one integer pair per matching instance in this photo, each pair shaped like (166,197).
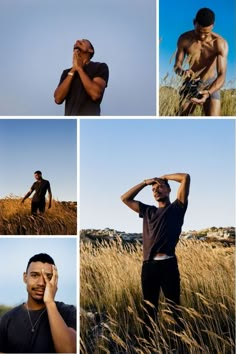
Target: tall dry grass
(112,314)
(169,98)
(15,218)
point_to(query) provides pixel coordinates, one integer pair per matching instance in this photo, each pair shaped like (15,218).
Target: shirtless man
(206,54)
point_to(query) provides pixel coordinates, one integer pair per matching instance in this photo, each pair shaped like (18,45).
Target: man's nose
(41,280)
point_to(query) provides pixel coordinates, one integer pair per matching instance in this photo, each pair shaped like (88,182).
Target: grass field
(112,314)
(15,218)
(169,99)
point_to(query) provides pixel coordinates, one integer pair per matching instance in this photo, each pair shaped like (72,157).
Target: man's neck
(31,304)
(163,203)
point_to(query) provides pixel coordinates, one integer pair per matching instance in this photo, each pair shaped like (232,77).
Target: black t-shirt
(161,228)
(40,189)
(15,329)
(78,102)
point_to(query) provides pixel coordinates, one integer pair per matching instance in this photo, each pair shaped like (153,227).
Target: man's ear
(91,50)
(25,277)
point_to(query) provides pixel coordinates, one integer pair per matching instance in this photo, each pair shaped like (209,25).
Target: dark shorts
(38,206)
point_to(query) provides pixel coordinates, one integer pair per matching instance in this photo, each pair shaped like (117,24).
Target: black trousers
(157,275)
(35,206)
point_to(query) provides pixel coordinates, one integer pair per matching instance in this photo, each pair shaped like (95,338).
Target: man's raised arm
(128,197)
(184,180)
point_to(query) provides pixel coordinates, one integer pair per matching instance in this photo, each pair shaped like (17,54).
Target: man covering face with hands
(41,324)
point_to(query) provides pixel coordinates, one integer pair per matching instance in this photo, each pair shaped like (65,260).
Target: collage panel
(46,52)
(197,60)
(157,235)
(38,177)
(39,297)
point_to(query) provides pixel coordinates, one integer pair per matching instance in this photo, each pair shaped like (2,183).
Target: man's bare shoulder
(221,43)
(189,35)
(185,39)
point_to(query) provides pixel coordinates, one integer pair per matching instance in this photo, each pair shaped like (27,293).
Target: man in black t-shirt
(40,325)
(161,231)
(82,86)
(40,187)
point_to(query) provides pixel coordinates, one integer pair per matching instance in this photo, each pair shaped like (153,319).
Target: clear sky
(176,17)
(118,154)
(48,145)
(13,264)
(37,38)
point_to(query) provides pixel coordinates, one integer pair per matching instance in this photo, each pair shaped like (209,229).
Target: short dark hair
(165,182)
(38,172)
(205,17)
(41,257)
(92,47)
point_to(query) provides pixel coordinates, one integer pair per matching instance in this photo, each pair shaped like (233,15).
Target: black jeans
(157,275)
(35,206)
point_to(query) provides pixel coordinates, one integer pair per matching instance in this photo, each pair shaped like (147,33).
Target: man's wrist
(144,182)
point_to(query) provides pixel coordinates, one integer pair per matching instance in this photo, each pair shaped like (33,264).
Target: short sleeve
(63,76)
(103,72)
(142,209)
(68,312)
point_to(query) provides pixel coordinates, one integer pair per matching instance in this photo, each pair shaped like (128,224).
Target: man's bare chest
(201,52)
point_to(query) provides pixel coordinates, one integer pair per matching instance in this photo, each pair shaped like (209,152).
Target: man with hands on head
(82,86)
(161,230)
(41,325)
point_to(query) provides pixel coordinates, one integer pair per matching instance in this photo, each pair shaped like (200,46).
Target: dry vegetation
(112,315)
(15,218)
(169,98)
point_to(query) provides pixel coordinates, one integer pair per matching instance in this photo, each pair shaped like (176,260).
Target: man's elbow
(58,100)
(187,178)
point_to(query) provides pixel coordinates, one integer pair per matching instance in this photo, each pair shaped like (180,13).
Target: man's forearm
(64,338)
(177,177)
(92,88)
(62,90)
(131,193)
(26,196)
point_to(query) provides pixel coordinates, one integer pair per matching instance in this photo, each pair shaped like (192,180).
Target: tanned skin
(206,53)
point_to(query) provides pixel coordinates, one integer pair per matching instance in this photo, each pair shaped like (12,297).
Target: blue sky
(37,38)
(177,17)
(118,154)
(48,145)
(13,265)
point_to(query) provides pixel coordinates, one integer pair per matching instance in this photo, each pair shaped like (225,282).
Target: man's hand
(205,95)
(155,180)
(77,61)
(51,285)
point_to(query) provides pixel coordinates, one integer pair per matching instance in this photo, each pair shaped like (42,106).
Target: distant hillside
(224,235)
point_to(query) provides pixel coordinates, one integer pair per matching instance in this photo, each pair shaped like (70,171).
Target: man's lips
(39,291)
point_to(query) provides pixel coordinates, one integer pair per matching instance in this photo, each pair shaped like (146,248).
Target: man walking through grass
(40,187)
(161,230)
(206,53)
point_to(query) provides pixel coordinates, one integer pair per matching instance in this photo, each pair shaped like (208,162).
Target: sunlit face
(202,33)
(160,191)
(37,176)
(83,45)
(34,280)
